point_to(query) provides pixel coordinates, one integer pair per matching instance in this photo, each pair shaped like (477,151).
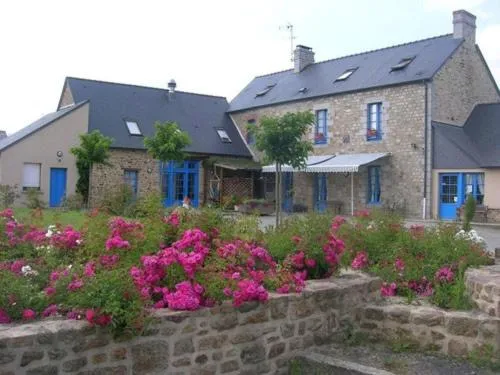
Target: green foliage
(117,200)
(282,141)
(452,296)
(34,199)
(484,357)
(469,211)
(8,194)
(168,143)
(73,202)
(93,149)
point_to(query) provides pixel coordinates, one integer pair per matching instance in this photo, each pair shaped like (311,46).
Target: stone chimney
(171,88)
(464,25)
(302,57)
(3,134)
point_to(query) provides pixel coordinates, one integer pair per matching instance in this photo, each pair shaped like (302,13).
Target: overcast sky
(213,47)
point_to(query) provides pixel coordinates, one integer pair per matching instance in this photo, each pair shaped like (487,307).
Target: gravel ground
(405,363)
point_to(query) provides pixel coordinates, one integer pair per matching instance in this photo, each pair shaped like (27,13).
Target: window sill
(373,139)
(374,204)
(320,144)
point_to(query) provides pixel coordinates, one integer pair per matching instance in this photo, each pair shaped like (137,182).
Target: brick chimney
(302,57)
(3,134)
(464,25)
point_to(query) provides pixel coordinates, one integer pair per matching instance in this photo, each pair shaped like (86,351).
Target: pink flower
(388,290)
(296,239)
(75,285)
(445,274)
(285,289)
(50,310)
(227,292)
(29,314)
(399,264)
(116,242)
(298,260)
(16,266)
(7,213)
(360,261)
(236,276)
(423,287)
(49,291)
(337,222)
(89,269)
(311,263)
(4,317)
(172,219)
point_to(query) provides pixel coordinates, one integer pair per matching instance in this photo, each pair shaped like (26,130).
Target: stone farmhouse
(412,127)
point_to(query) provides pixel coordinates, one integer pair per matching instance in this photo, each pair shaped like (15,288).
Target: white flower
(28,271)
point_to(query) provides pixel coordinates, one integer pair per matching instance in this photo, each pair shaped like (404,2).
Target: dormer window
(402,64)
(265,91)
(223,136)
(346,74)
(133,128)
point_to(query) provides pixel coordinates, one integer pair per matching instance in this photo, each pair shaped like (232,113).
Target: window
(31,176)
(133,128)
(346,74)
(474,184)
(223,136)
(130,178)
(303,90)
(374,131)
(403,63)
(265,91)
(251,132)
(320,136)
(373,185)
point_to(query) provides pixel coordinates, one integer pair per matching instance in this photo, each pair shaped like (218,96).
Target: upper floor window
(130,177)
(251,132)
(133,128)
(31,176)
(403,63)
(320,130)
(346,74)
(374,185)
(374,128)
(224,137)
(474,185)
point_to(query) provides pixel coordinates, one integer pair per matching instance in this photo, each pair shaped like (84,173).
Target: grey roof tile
(37,125)
(373,70)
(199,115)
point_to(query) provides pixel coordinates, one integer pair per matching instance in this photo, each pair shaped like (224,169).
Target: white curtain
(31,175)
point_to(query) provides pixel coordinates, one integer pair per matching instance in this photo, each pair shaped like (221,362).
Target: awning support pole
(352,193)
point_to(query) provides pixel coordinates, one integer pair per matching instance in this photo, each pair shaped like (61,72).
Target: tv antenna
(289,28)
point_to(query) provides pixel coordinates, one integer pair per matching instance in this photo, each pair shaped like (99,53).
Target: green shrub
(117,200)
(8,194)
(34,199)
(73,202)
(469,212)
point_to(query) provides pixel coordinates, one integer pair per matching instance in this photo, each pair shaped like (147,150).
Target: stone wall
(105,178)
(256,338)
(483,284)
(455,333)
(462,82)
(403,116)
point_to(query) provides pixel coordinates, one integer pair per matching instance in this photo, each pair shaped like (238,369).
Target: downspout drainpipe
(426,127)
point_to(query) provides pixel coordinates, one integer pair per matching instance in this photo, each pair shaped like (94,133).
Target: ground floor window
(178,181)
(320,192)
(31,176)
(474,185)
(130,177)
(374,185)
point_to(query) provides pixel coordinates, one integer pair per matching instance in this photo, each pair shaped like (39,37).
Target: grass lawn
(51,216)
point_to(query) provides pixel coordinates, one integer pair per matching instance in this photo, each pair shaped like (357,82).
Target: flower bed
(416,261)
(114,271)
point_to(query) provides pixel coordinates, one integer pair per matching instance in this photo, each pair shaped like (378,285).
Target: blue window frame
(180,180)
(374,185)
(374,123)
(474,184)
(250,132)
(130,177)
(320,130)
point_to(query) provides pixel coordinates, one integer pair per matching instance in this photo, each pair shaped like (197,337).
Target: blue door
(287,190)
(57,186)
(320,192)
(450,195)
(179,180)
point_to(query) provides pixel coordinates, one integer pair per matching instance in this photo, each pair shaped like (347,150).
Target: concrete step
(320,364)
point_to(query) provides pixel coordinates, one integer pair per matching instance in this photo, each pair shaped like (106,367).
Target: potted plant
(372,133)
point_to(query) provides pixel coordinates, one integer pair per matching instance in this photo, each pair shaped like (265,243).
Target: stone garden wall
(256,338)
(483,284)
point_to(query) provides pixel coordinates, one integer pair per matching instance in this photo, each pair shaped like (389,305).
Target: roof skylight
(402,64)
(265,91)
(346,74)
(133,128)
(223,136)
(303,90)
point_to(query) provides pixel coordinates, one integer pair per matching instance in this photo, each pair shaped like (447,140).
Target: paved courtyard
(490,233)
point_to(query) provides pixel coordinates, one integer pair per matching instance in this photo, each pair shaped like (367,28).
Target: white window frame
(31,181)
(133,127)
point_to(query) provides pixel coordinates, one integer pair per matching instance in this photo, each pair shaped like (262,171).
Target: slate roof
(199,115)
(373,70)
(37,125)
(475,145)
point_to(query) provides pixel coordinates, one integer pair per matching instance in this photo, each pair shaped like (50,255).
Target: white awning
(344,163)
